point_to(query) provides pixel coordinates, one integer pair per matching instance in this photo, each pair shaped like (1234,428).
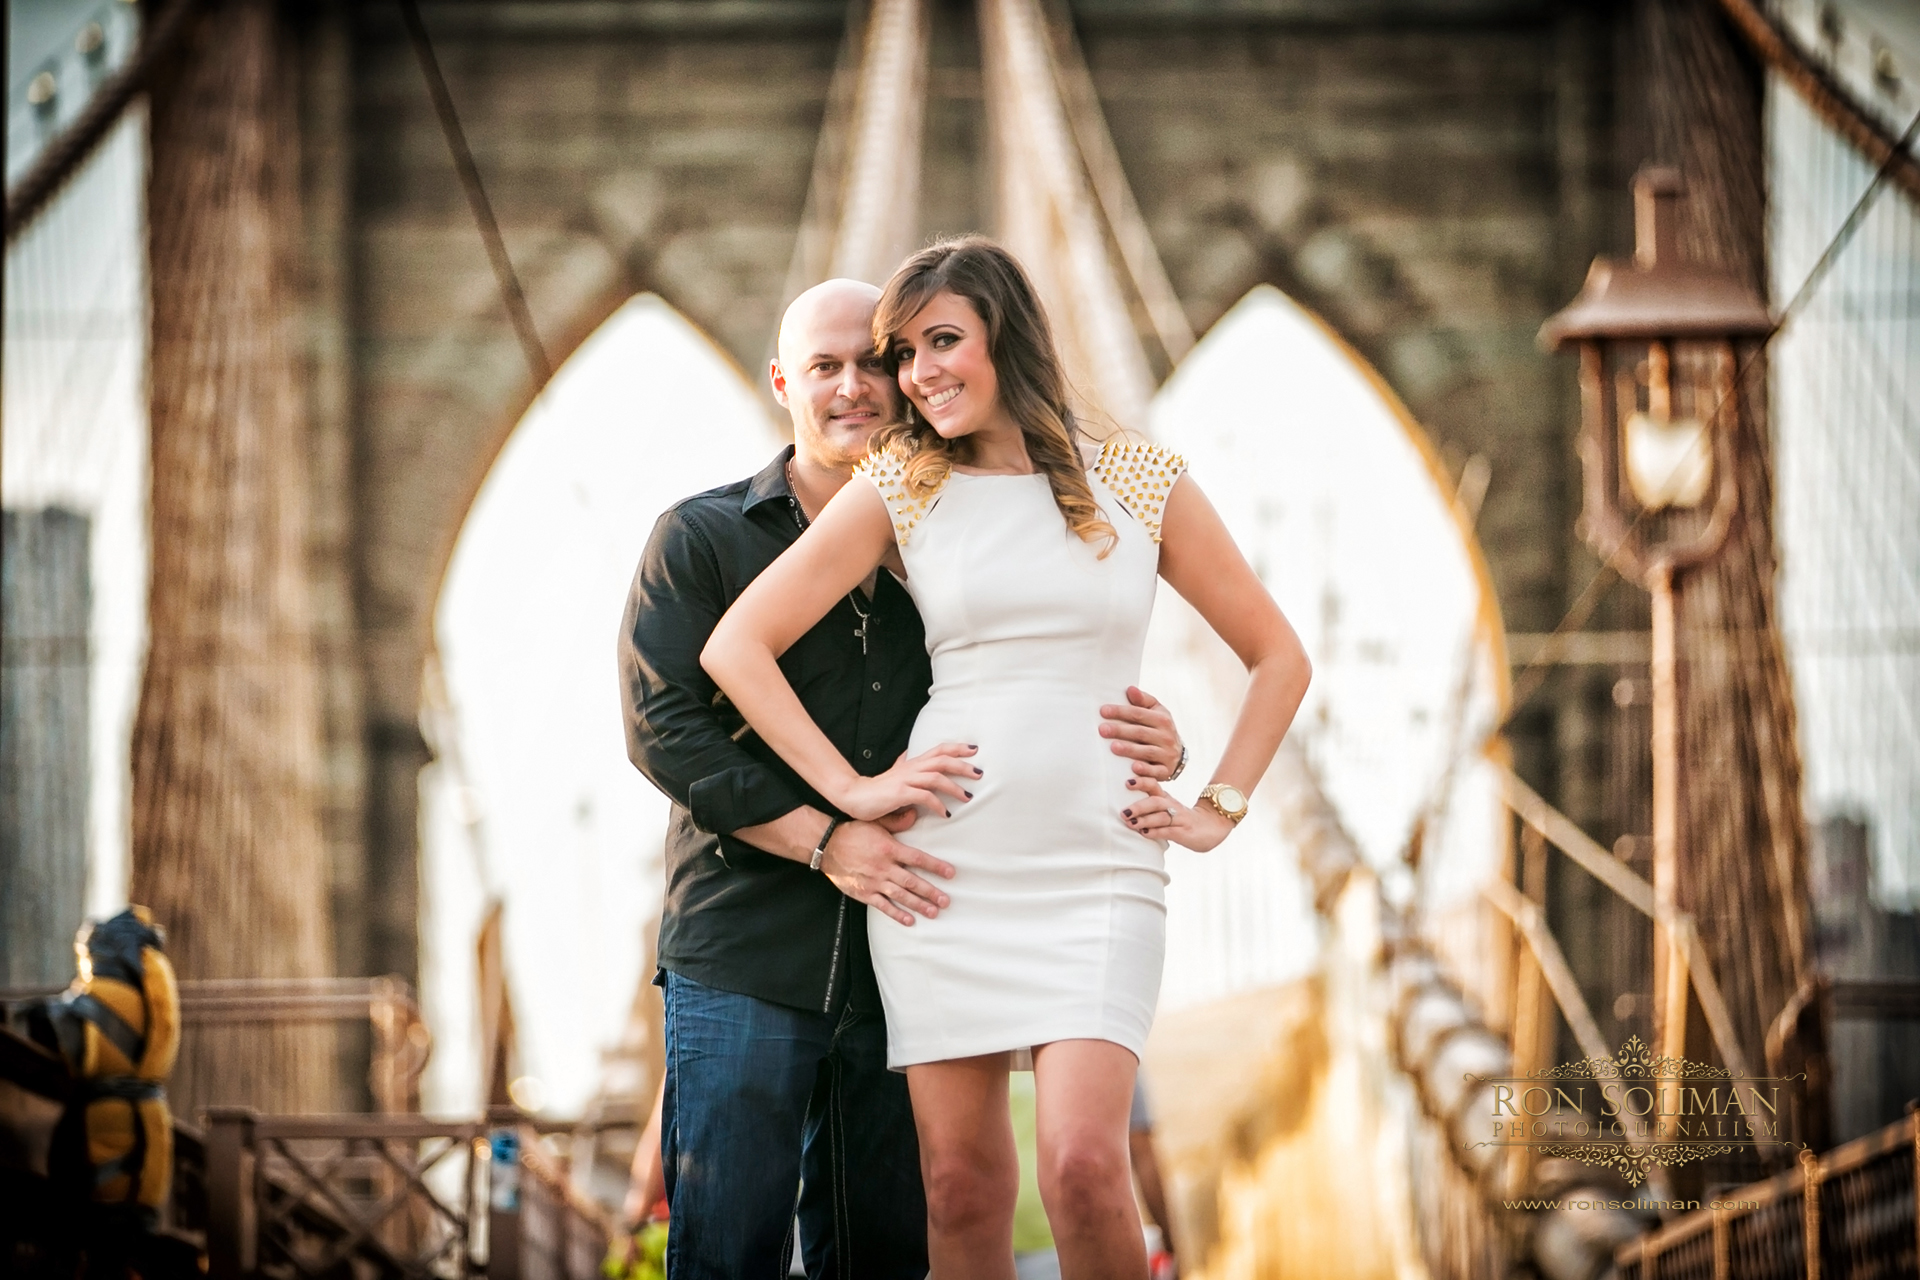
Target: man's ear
(778,378)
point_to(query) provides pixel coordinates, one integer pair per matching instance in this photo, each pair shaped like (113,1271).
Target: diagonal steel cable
(511,294)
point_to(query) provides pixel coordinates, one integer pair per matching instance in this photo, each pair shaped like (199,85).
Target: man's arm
(674,735)
(676,739)
(863,859)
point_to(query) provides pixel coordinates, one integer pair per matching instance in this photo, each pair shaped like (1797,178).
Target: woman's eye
(903,355)
(945,340)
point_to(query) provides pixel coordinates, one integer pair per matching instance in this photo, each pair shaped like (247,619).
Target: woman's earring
(910,418)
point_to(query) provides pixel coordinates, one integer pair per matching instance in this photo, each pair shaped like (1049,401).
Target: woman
(1033,564)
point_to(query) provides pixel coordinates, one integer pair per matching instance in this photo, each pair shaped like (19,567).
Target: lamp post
(1659,412)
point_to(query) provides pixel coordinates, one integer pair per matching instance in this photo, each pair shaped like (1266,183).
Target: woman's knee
(967,1189)
(1080,1176)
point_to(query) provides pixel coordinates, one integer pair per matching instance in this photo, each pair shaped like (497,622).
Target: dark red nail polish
(1128,812)
(967,794)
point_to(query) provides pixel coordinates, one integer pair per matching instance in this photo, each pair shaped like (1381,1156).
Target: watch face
(1230,799)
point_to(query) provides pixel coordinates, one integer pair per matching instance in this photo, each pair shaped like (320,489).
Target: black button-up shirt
(735,917)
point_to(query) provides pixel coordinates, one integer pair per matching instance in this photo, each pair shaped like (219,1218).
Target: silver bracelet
(1181,767)
(820,850)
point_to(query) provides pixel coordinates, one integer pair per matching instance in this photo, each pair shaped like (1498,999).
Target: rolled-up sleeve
(676,735)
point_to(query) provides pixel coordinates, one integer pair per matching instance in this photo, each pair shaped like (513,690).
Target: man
(776,1077)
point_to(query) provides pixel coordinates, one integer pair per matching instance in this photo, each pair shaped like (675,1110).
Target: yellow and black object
(117,1028)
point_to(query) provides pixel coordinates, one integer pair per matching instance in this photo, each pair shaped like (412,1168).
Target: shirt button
(866,753)
(876,686)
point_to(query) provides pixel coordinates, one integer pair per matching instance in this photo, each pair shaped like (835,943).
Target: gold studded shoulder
(889,477)
(1140,476)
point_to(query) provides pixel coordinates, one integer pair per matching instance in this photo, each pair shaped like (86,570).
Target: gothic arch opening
(531,800)
(1340,502)
(1338,498)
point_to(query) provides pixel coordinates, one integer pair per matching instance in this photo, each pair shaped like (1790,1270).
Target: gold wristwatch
(1226,800)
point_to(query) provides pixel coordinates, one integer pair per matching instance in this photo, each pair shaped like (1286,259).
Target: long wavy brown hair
(1033,389)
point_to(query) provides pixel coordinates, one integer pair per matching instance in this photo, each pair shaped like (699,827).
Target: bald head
(829,309)
(826,374)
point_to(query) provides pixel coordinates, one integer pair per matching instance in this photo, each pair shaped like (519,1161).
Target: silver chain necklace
(801,522)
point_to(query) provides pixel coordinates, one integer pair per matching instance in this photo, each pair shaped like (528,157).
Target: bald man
(777,1091)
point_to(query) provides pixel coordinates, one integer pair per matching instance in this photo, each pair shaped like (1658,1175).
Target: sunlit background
(1433,225)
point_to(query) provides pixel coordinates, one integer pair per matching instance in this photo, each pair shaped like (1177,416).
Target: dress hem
(1023,1048)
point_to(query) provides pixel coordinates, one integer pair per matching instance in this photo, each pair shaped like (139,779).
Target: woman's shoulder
(880,466)
(1140,475)
(907,502)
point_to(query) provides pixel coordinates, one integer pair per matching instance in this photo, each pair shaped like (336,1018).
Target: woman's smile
(941,352)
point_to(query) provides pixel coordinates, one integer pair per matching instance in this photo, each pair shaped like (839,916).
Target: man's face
(828,377)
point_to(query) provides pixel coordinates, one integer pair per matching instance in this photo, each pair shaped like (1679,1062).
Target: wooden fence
(1852,1214)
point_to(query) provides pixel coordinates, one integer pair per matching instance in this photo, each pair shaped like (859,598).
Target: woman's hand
(927,779)
(1159,816)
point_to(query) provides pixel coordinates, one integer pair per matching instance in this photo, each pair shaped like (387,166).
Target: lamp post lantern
(1659,412)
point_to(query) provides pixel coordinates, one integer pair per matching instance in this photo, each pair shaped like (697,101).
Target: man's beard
(849,443)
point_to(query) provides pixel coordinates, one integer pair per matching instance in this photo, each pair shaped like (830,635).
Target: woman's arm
(851,537)
(1199,559)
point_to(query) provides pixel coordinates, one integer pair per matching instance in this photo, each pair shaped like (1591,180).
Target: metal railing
(388,1194)
(401,1043)
(319,1196)
(563,1235)
(311,1195)
(400,1046)
(1690,964)
(1851,1214)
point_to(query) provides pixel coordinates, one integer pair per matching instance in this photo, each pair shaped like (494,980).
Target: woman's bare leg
(969,1166)
(1082,1092)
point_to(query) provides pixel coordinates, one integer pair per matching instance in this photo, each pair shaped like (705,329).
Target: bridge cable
(511,294)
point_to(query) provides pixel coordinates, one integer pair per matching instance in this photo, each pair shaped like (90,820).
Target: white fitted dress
(1057,928)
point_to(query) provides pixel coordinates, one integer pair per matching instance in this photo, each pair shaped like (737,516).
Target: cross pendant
(861,631)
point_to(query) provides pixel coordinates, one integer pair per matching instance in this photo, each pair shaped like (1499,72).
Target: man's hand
(1142,730)
(866,863)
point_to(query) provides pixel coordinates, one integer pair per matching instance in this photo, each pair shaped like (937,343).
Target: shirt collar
(771,484)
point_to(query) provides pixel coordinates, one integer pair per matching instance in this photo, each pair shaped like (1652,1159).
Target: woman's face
(946,369)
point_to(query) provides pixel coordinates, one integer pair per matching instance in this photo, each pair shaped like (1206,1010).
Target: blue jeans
(769,1107)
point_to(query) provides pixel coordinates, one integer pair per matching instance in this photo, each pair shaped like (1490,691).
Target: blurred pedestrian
(1146,1176)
